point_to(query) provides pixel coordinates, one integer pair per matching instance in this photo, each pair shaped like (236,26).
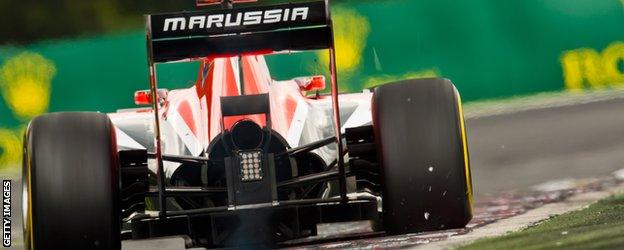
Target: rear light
(144,97)
(251,165)
(311,83)
(212,2)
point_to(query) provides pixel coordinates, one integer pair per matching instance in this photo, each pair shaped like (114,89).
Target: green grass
(599,226)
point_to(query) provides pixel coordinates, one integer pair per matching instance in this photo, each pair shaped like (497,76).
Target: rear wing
(228,32)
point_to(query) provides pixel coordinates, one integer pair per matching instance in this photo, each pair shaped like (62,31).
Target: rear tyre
(71,183)
(420,137)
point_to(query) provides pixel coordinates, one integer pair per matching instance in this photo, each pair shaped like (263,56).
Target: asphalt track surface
(515,151)
(526,148)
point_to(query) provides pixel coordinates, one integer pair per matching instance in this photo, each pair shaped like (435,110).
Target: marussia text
(237,19)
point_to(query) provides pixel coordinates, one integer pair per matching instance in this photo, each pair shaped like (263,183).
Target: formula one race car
(240,158)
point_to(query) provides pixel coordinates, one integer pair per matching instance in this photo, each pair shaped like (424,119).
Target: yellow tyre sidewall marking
(28,223)
(462,125)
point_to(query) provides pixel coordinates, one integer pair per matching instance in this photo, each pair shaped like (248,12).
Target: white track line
(478,109)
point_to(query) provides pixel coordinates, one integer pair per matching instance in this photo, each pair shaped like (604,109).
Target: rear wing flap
(229,32)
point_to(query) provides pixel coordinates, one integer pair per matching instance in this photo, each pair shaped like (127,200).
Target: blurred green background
(59,55)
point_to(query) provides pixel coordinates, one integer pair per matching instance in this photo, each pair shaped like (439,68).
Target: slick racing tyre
(422,150)
(71,183)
